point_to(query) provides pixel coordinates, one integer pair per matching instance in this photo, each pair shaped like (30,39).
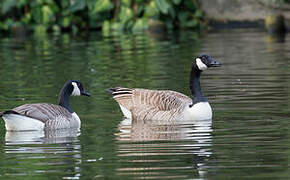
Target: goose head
(203,62)
(71,88)
(78,89)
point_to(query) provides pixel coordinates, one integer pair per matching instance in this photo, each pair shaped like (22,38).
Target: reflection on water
(147,144)
(41,137)
(159,130)
(59,148)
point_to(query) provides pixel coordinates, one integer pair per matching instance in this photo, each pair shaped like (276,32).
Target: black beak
(85,93)
(215,63)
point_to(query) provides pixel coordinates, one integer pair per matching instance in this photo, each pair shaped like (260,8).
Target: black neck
(63,99)
(194,86)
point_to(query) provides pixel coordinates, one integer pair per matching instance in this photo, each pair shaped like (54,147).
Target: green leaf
(117,26)
(47,14)
(26,18)
(140,25)
(8,22)
(192,23)
(77,5)
(151,10)
(40,29)
(66,22)
(126,3)
(198,14)
(177,2)
(39,2)
(163,6)
(56,29)
(102,5)
(8,5)
(126,14)
(106,27)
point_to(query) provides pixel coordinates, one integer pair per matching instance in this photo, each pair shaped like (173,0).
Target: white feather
(15,122)
(199,111)
(201,66)
(76,117)
(76,90)
(126,112)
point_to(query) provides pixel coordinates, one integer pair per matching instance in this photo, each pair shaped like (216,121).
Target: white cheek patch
(76,91)
(201,66)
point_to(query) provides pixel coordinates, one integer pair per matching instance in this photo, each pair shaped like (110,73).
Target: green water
(250,95)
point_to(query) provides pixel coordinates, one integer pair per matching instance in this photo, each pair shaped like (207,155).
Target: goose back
(150,104)
(42,111)
(50,115)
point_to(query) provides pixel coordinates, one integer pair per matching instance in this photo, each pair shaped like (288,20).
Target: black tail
(111,90)
(8,112)
(119,90)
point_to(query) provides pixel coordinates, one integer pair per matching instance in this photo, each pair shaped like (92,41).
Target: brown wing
(141,100)
(42,111)
(163,100)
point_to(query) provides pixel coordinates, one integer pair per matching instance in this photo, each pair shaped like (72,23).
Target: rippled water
(250,95)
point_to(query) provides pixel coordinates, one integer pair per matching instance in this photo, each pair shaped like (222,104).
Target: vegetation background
(106,15)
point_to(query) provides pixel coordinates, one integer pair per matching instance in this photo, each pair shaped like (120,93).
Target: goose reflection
(161,130)
(42,137)
(44,152)
(156,145)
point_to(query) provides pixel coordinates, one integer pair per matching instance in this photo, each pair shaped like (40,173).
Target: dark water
(248,137)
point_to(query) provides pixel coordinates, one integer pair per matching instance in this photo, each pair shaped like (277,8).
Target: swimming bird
(40,116)
(166,104)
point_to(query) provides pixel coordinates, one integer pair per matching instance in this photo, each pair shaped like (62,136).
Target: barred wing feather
(42,111)
(150,104)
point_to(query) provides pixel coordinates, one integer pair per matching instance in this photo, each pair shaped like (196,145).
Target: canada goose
(42,116)
(164,104)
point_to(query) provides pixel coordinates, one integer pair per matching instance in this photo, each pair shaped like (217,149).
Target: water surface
(250,95)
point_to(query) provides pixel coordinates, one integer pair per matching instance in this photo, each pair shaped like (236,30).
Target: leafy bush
(75,15)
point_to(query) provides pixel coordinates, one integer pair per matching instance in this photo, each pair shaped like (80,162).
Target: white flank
(126,112)
(15,122)
(199,111)
(76,91)
(201,66)
(76,117)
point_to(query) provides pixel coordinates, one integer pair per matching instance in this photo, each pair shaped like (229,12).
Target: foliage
(75,15)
